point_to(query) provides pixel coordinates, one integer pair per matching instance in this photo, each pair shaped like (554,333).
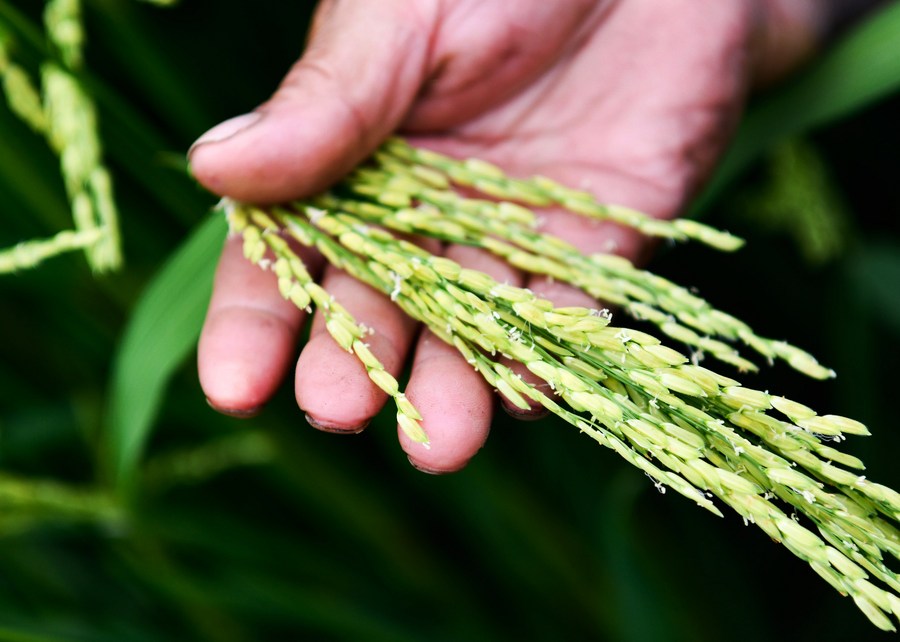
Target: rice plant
(130,511)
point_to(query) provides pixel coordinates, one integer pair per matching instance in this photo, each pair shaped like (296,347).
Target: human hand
(632,100)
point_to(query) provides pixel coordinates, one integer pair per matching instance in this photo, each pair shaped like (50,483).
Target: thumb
(361,71)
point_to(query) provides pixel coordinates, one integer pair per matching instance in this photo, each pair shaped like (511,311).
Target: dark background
(269,530)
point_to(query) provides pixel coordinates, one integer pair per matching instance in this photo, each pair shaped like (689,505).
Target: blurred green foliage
(206,528)
(800,202)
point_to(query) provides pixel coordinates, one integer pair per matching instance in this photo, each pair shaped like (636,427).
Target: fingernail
(326,426)
(523,415)
(239,413)
(227,129)
(425,469)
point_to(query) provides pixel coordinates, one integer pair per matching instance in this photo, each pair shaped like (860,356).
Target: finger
(331,384)
(249,336)
(455,402)
(361,71)
(789,32)
(456,405)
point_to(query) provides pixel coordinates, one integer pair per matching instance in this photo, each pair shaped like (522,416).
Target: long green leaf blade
(161,332)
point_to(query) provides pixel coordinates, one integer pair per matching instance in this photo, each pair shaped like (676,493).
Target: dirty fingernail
(326,426)
(533,414)
(239,413)
(426,469)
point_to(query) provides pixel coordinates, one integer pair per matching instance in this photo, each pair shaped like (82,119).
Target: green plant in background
(152,526)
(800,201)
(67,118)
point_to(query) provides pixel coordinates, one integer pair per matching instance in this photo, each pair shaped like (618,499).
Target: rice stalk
(62,111)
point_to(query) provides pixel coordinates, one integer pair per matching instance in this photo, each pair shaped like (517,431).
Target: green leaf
(859,69)
(9,635)
(801,201)
(161,332)
(877,273)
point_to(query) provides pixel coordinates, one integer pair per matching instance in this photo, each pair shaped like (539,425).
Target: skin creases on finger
(249,336)
(331,384)
(455,402)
